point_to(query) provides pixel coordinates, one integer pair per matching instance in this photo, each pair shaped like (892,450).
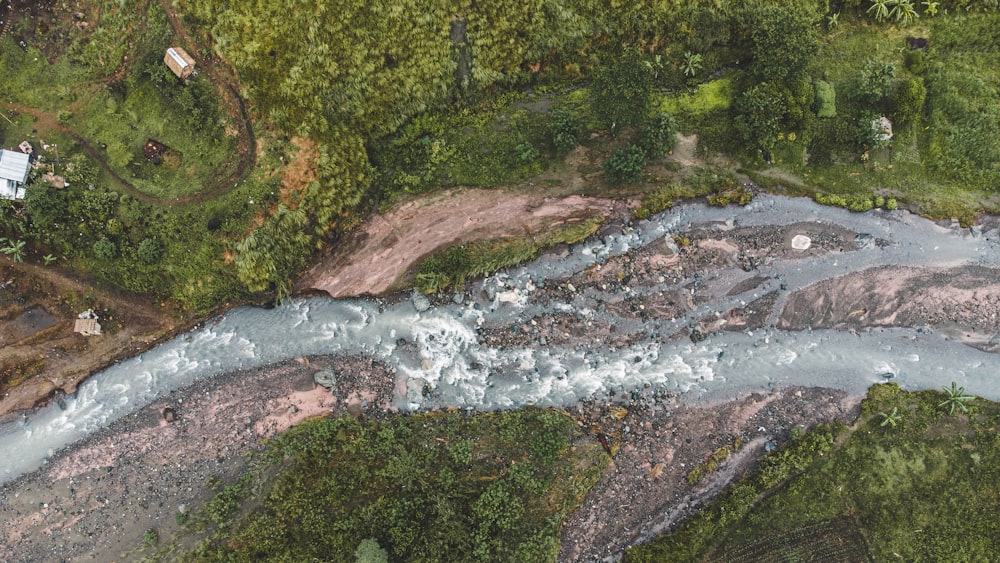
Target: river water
(445,364)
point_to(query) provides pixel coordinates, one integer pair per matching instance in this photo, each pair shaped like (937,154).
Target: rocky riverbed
(707,325)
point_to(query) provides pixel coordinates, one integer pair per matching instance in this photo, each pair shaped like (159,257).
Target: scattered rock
(420,301)
(325,378)
(801,242)
(170,415)
(508,297)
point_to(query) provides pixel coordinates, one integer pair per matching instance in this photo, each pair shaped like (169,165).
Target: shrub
(659,135)
(150,250)
(526,153)
(662,199)
(565,130)
(860,203)
(908,100)
(826,99)
(914,61)
(890,204)
(875,82)
(621,94)
(105,249)
(625,165)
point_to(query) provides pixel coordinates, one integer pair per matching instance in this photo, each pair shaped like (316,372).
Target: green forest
(399,99)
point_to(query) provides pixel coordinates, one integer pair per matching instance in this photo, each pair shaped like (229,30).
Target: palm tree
(832,20)
(880,9)
(903,12)
(691,64)
(955,397)
(14,249)
(891,418)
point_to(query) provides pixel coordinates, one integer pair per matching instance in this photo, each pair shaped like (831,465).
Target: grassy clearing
(925,487)
(436,486)
(111,88)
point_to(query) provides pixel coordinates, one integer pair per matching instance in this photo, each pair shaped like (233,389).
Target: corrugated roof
(176,56)
(14,166)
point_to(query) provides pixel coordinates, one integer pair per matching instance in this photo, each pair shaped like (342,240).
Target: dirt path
(224,80)
(382,251)
(226,83)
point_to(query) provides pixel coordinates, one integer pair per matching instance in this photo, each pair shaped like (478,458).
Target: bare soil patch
(380,253)
(645,491)
(42,354)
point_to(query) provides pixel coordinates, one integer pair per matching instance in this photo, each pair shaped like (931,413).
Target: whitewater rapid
(443,362)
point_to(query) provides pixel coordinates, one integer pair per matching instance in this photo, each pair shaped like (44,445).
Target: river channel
(440,360)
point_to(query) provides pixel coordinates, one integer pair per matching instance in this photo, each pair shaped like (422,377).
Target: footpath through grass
(908,481)
(428,487)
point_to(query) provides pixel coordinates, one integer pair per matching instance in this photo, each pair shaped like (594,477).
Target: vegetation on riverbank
(916,477)
(452,266)
(433,486)
(466,95)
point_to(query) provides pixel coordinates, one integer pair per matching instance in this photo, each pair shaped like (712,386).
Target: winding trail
(219,74)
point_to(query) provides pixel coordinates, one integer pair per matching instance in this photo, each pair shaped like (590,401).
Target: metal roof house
(14,167)
(179,62)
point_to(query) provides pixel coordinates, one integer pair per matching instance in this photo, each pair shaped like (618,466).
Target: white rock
(801,242)
(508,297)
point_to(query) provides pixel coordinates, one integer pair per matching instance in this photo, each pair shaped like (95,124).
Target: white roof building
(14,167)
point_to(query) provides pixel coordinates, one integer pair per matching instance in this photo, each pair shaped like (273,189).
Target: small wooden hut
(180,62)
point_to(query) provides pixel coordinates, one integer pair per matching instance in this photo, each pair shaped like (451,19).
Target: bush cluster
(624,165)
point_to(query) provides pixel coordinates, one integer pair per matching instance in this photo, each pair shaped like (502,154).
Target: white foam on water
(461,372)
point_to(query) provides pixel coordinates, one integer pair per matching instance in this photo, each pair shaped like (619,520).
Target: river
(443,362)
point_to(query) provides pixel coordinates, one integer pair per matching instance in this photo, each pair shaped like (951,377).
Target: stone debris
(420,301)
(801,242)
(325,378)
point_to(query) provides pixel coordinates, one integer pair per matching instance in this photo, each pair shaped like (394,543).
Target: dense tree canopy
(784,42)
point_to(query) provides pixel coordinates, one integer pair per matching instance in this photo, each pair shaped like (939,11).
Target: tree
(891,418)
(875,82)
(955,398)
(784,43)
(14,249)
(45,206)
(625,165)
(369,551)
(759,112)
(565,130)
(691,64)
(659,135)
(621,94)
